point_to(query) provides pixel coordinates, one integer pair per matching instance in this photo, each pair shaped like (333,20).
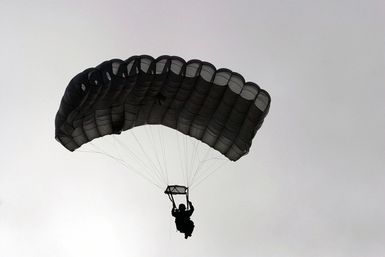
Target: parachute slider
(176,190)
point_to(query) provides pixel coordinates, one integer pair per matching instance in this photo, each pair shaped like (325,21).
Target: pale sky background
(312,185)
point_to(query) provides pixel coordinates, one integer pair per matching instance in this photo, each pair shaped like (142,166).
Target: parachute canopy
(214,106)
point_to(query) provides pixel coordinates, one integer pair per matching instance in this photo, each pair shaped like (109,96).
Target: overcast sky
(312,185)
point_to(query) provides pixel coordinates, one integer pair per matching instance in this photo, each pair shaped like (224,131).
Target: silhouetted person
(182,218)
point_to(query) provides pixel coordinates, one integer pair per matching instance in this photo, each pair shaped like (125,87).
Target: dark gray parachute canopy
(216,107)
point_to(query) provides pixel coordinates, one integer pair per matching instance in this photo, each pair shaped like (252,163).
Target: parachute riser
(187,200)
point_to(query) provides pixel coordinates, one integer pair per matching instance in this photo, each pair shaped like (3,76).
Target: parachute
(214,106)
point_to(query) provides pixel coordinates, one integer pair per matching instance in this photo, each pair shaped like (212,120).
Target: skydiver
(182,218)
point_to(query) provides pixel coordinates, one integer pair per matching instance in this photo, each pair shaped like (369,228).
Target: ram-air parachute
(200,105)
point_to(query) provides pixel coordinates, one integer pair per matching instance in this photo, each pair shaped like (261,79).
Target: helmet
(182,207)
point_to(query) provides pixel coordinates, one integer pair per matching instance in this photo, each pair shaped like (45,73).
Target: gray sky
(313,183)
